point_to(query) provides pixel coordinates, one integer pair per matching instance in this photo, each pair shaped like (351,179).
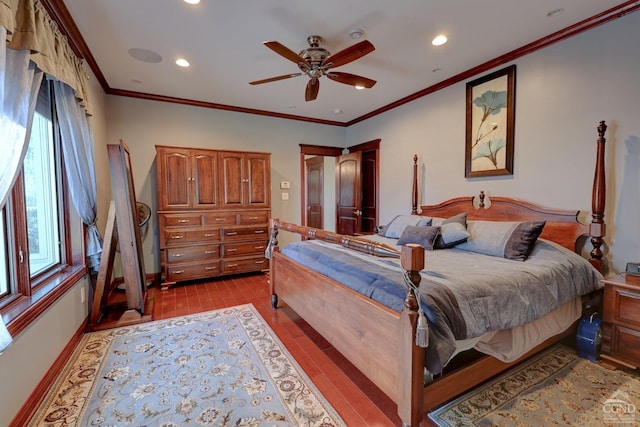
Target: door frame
(321,150)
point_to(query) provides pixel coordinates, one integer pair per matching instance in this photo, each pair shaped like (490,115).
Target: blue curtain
(77,149)
(19,84)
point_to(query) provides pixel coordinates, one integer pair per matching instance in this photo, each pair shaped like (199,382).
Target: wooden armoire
(213,212)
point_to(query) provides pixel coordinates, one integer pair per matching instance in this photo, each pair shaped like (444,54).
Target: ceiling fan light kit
(316,61)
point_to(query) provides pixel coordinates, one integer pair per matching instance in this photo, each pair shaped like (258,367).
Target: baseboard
(32,404)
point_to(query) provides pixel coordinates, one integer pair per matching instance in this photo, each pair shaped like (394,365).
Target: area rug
(555,387)
(219,368)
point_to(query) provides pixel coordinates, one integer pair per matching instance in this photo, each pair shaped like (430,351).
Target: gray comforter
(464,294)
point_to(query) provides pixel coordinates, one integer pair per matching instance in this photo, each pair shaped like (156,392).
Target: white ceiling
(222,39)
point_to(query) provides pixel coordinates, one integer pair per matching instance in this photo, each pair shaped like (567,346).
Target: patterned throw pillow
(453,231)
(511,240)
(424,236)
(397,225)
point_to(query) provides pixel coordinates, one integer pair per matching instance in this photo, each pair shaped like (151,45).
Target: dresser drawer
(622,306)
(625,343)
(180,220)
(221,218)
(237,249)
(244,265)
(177,273)
(230,234)
(193,253)
(248,218)
(198,235)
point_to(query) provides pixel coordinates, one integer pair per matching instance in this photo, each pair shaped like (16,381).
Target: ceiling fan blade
(349,54)
(284,51)
(313,86)
(351,79)
(275,79)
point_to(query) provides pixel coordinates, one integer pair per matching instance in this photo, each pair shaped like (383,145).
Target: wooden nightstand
(621,320)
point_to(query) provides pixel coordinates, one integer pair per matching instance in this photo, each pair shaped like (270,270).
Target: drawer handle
(178,255)
(258,231)
(231,233)
(258,247)
(628,294)
(184,220)
(178,272)
(209,235)
(232,265)
(259,262)
(231,250)
(209,268)
(252,218)
(220,219)
(210,252)
(177,237)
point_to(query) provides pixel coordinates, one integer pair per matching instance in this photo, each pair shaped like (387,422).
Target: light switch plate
(285,185)
(285,196)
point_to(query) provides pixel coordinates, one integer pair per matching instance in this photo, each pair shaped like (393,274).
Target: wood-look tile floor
(358,401)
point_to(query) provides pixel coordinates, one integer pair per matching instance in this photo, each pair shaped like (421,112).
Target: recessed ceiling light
(439,40)
(182,62)
(359,87)
(337,111)
(192,1)
(145,55)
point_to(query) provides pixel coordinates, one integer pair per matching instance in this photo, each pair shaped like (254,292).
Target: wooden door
(204,179)
(348,193)
(315,191)
(257,180)
(232,173)
(369,183)
(174,174)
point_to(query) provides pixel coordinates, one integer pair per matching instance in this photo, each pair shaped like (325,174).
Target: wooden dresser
(621,320)
(213,210)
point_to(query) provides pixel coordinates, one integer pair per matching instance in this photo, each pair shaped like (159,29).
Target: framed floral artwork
(490,124)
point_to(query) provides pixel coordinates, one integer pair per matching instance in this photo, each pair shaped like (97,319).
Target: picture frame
(490,124)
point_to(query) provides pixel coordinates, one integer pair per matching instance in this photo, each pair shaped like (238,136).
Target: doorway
(349,192)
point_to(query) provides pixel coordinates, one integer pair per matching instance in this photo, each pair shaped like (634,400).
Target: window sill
(22,311)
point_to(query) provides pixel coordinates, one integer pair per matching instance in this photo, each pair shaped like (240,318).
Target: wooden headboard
(562,226)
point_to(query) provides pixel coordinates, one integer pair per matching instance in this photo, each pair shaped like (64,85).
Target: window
(38,227)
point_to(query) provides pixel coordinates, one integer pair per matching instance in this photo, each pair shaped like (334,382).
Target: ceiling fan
(316,61)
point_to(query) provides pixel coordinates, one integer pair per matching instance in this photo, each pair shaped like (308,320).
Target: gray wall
(562,92)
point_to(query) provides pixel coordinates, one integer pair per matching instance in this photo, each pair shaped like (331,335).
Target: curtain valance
(29,26)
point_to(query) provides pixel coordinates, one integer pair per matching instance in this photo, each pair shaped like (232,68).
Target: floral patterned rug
(555,387)
(224,368)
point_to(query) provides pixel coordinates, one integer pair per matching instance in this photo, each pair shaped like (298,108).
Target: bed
(393,345)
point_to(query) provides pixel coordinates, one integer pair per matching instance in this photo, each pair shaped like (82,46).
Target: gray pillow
(397,225)
(424,236)
(453,231)
(511,240)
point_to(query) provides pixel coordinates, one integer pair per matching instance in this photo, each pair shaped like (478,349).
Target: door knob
(357,212)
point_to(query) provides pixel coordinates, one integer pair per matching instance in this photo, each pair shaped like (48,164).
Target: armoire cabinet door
(232,176)
(258,168)
(204,179)
(174,177)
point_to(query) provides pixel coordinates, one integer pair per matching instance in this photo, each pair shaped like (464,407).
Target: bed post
(272,247)
(411,356)
(414,190)
(598,196)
